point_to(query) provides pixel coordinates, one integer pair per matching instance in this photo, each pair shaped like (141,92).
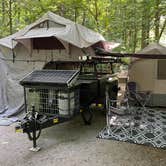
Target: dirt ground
(74,144)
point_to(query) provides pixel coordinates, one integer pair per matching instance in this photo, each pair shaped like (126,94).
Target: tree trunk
(96,14)
(135,39)
(10,17)
(135,29)
(157,20)
(84,18)
(61,10)
(124,36)
(143,38)
(75,14)
(145,24)
(3,11)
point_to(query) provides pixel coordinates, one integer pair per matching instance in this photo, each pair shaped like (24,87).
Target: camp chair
(135,97)
(119,117)
(120,113)
(114,104)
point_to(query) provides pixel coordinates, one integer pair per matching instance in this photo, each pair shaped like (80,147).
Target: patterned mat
(143,127)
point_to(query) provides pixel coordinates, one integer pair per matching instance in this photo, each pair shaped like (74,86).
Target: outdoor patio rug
(146,128)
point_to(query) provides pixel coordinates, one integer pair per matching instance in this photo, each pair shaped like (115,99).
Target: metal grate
(50,76)
(44,100)
(49,101)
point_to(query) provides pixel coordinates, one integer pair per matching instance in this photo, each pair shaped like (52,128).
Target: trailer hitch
(31,125)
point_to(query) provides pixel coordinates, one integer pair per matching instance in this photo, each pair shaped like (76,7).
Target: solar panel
(50,77)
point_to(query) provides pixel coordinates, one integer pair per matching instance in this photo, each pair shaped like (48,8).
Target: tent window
(47,43)
(161,70)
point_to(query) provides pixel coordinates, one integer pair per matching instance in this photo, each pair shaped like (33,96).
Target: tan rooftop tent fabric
(56,26)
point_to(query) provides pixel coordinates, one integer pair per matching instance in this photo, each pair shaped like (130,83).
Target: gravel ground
(73,144)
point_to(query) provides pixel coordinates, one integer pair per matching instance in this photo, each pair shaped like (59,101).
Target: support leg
(35,148)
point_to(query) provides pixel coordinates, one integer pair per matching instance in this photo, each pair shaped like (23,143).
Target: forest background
(133,23)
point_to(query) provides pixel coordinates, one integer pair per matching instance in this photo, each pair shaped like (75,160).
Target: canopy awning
(104,53)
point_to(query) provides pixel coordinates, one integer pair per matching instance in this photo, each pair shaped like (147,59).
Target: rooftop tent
(68,33)
(150,74)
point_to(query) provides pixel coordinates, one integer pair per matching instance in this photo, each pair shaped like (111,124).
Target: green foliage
(133,23)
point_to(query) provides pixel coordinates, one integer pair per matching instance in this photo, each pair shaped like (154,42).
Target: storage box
(52,92)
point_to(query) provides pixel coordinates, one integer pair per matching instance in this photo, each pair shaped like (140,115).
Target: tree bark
(75,14)
(10,17)
(84,18)
(96,14)
(157,19)
(3,11)
(145,24)
(135,29)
